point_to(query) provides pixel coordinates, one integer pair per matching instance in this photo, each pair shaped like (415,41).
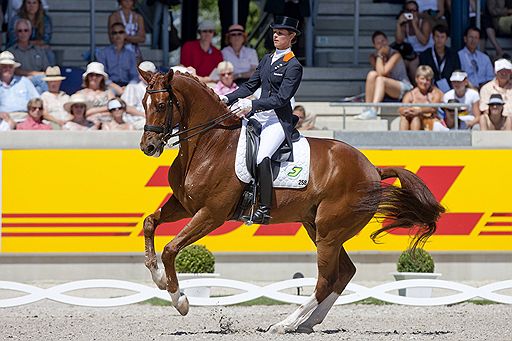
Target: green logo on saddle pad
(294,172)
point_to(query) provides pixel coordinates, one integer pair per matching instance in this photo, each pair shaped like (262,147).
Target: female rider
(279,75)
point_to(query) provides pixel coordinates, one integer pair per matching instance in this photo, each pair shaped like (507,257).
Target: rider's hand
(224,99)
(242,107)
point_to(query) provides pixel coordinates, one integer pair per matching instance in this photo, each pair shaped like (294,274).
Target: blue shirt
(120,66)
(477,65)
(15,96)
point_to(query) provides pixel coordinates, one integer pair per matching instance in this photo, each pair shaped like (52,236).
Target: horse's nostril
(150,148)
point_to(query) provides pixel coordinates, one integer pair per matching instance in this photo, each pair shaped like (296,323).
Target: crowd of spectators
(420,57)
(418,67)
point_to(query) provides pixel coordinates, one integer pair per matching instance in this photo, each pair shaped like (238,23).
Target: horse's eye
(161,107)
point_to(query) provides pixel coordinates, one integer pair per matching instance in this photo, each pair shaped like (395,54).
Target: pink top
(221,89)
(30,124)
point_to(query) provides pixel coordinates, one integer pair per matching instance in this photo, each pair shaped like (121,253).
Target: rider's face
(283,38)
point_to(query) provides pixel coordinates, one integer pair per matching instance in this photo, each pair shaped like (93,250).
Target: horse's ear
(146,75)
(170,74)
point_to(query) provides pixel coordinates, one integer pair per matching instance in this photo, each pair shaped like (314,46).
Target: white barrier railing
(273,291)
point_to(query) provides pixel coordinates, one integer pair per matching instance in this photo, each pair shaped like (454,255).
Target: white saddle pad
(291,174)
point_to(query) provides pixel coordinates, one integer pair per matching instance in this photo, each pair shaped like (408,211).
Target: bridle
(166,130)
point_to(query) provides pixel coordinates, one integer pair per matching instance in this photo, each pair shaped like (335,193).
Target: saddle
(285,174)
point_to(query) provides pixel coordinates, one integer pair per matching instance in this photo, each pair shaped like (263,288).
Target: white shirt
(4,126)
(54,104)
(133,95)
(279,53)
(244,62)
(470,97)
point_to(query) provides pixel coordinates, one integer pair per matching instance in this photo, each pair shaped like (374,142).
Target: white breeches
(272,134)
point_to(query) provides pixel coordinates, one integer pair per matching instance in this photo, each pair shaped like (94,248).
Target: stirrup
(261,216)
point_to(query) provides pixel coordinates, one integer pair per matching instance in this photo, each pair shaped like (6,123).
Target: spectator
(389,76)
(305,122)
(133,25)
(501,16)
(34,120)
(200,53)
(493,119)
(413,29)
(6,122)
(32,58)
(462,93)
(119,61)
(225,85)
(134,92)
(54,99)
(15,91)
(77,107)
(433,10)
(441,58)
(418,118)
(488,26)
(95,92)
(243,58)
(41,27)
(476,64)
(117,108)
(501,84)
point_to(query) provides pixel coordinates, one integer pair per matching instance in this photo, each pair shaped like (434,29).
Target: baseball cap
(114,104)
(502,64)
(206,25)
(458,76)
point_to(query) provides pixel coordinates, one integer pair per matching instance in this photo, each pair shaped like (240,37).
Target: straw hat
(496,99)
(76,99)
(95,67)
(7,58)
(52,73)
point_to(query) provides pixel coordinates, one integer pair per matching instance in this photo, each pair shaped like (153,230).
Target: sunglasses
(114,33)
(225,74)
(36,108)
(207,31)
(23,30)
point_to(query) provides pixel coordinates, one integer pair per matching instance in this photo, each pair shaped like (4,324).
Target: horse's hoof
(277,329)
(304,329)
(182,305)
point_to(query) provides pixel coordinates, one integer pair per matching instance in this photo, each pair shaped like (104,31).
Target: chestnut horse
(343,194)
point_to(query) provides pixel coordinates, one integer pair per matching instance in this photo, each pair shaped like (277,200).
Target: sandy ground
(47,320)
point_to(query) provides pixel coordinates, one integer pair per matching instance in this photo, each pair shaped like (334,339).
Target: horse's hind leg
(328,257)
(171,211)
(347,270)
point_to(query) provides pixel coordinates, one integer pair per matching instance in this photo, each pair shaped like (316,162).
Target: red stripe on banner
(499,223)
(159,177)
(496,233)
(72,215)
(69,224)
(501,214)
(450,224)
(439,179)
(287,229)
(64,234)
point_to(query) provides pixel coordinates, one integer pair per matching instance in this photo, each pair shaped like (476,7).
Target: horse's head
(160,105)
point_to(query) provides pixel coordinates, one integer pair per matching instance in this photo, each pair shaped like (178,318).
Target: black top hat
(288,23)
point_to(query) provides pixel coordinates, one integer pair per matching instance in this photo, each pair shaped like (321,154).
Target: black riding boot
(262,214)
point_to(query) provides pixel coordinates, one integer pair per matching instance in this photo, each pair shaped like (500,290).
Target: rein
(167,129)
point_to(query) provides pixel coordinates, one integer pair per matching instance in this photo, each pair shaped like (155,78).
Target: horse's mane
(201,84)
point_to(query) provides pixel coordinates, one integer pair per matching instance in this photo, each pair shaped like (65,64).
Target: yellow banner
(96,200)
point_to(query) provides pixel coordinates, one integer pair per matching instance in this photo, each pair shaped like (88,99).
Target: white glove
(224,99)
(242,107)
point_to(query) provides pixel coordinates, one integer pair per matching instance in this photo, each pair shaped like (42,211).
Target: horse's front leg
(199,226)
(171,211)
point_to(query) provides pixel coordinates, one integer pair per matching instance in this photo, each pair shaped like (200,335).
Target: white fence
(354,292)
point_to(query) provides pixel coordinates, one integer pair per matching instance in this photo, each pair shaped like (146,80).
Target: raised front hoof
(182,305)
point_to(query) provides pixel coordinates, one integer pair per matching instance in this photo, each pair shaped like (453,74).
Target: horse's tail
(411,206)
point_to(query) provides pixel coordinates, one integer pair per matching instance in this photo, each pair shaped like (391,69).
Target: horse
(343,194)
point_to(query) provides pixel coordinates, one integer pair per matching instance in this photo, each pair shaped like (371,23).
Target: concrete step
(328,90)
(72,55)
(63,21)
(81,5)
(347,8)
(344,73)
(366,24)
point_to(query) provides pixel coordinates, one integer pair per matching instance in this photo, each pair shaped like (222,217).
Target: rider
(279,75)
